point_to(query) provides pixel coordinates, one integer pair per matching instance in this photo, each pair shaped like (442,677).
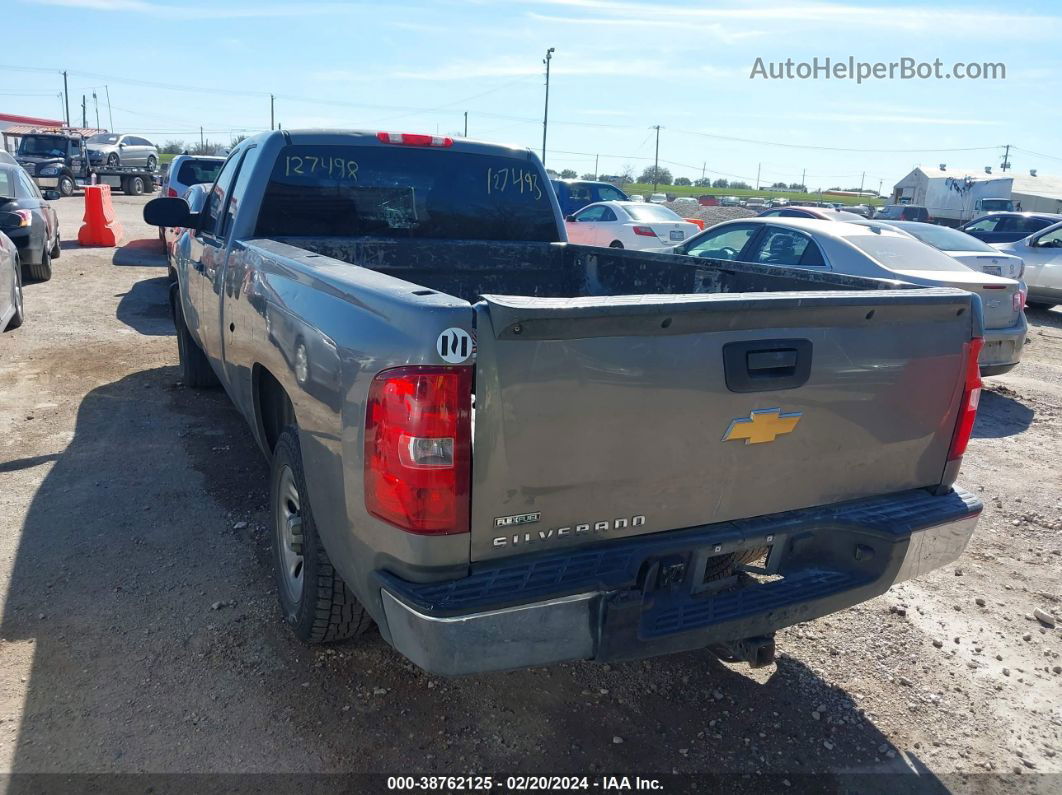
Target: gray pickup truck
(506,450)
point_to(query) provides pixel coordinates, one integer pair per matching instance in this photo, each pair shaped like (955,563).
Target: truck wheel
(42,271)
(113,161)
(195,367)
(20,309)
(66,185)
(315,601)
(152,163)
(134,186)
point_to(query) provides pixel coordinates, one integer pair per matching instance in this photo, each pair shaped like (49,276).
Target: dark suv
(574,194)
(903,212)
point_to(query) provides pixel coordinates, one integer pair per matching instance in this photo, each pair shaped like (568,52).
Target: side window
(723,243)
(1050,239)
(238,190)
(1009,223)
(31,187)
(984,225)
(7,184)
(595,213)
(1031,225)
(580,193)
(812,257)
(217,194)
(609,194)
(607,215)
(780,247)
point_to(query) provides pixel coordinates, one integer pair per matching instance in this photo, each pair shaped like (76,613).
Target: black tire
(615,244)
(196,371)
(57,249)
(152,163)
(66,185)
(134,186)
(19,317)
(326,611)
(1038,305)
(113,161)
(42,271)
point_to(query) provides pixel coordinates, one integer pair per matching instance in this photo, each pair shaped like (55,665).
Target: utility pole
(84,112)
(656,158)
(466,124)
(1006,158)
(202,141)
(704,168)
(66,99)
(880,183)
(758,176)
(861,180)
(545,113)
(803,184)
(96,104)
(596,172)
(110,118)
(272,124)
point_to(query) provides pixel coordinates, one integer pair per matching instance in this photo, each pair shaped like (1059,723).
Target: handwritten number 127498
(500,180)
(314,166)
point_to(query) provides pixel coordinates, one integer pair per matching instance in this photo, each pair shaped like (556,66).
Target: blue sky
(620,66)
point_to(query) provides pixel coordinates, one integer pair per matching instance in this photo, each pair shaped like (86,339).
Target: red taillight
(172,193)
(1018,299)
(644,231)
(971,396)
(414,139)
(418,448)
(25,218)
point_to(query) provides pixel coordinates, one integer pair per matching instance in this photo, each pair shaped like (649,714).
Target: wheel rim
(66,186)
(112,160)
(288,513)
(302,364)
(18,296)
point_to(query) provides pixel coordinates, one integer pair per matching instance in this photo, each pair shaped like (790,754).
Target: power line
(832,148)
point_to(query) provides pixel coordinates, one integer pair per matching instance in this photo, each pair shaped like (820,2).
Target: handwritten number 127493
(513,180)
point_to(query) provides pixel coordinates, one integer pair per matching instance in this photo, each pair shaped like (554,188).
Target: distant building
(8,120)
(1033,191)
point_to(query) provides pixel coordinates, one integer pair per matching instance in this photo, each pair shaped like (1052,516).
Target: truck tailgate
(603,417)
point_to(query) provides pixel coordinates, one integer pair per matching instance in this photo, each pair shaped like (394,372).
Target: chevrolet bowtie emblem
(762,425)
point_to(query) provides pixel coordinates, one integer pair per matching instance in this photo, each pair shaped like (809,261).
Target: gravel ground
(140,631)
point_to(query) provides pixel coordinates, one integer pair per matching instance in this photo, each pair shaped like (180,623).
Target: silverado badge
(762,425)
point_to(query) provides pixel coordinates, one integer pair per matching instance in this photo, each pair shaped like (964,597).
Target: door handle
(767,365)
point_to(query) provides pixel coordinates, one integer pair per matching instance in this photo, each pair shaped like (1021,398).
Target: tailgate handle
(766,365)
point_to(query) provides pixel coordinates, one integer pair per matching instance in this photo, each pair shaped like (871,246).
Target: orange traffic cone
(100,227)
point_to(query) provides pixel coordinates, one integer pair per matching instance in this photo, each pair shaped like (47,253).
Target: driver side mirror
(569,218)
(168,211)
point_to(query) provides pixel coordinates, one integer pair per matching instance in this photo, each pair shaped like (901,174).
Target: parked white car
(967,249)
(627,225)
(188,170)
(686,201)
(730,201)
(658,198)
(637,197)
(873,250)
(756,203)
(1042,254)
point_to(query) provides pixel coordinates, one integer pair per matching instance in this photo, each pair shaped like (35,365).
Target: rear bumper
(1003,347)
(648,596)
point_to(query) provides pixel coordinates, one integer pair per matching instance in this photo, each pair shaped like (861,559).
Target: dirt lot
(140,631)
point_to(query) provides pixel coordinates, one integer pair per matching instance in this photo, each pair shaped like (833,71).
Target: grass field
(686,190)
(166,158)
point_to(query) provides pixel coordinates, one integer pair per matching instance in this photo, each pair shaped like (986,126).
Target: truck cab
(55,159)
(982,206)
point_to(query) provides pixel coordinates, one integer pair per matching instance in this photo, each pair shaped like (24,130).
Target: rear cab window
(405,193)
(196,172)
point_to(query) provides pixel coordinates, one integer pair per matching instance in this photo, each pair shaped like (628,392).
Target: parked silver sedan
(880,252)
(113,150)
(12,312)
(1042,254)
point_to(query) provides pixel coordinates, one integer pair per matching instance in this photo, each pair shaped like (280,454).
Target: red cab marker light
(414,139)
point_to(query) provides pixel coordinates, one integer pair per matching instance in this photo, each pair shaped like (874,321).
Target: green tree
(703,182)
(683,181)
(721,183)
(655,176)
(568,173)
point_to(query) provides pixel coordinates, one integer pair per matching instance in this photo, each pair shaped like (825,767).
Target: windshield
(995,204)
(43,145)
(652,212)
(944,238)
(404,192)
(194,172)
(904,254)
(103,138)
